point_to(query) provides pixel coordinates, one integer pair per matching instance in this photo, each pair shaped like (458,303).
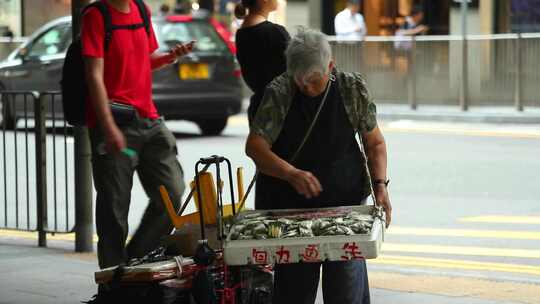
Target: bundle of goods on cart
(164,279)
(174,267)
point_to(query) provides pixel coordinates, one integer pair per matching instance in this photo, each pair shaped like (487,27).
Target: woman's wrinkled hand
(304,182)
(382,198)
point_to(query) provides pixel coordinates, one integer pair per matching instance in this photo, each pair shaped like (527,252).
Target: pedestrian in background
(8,33)
(164,9)
(260,46)
(349,23)
(412,24)
(126,132)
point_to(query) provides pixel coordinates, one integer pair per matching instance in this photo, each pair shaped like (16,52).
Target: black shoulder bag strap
(107,20)
(144,15)
(302,143)
(315,118)
(141,7)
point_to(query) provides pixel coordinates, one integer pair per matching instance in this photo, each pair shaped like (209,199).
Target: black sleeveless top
(261,54)
(331,153)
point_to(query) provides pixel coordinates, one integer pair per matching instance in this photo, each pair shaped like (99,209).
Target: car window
(207,38)
(54,41)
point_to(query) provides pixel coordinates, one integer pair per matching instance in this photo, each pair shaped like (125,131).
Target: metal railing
(36,162)
(482,70)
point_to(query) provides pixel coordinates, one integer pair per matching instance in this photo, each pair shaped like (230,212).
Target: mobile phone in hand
(190,45)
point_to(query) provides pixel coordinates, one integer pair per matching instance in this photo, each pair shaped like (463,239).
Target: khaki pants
(156,164)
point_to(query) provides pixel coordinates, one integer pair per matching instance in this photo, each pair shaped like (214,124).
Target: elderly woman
(330,168)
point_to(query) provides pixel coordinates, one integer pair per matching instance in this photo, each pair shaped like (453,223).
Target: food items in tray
(260,225)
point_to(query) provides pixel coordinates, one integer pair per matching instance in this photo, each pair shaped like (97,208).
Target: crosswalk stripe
(503,219)
(498,234)
(461,250)
(454,264)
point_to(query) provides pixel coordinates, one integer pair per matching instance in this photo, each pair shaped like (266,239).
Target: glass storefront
(10,11)
(385,17)
(525,16)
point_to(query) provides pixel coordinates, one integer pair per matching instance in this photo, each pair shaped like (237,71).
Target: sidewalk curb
(451,113)
(467,117)
(495,115)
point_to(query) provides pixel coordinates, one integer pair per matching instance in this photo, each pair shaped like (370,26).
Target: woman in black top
(260,46)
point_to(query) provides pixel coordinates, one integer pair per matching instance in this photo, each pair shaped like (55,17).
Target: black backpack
(73,83)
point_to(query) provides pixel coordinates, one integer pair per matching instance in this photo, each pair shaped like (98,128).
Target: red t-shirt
(127,70)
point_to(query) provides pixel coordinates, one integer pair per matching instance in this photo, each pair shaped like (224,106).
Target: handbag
(123,114)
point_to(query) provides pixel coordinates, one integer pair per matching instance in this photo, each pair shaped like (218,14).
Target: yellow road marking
(396,230)
(498,234)
(385,259)
(462,250)
(34,235)
(387,247)
(503,219)
(454,264)
(238,120)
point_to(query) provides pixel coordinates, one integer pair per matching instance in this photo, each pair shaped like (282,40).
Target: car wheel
(212,126)
(7,118)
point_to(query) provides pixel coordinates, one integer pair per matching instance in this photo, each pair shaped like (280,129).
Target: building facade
(23,17)
(383,17)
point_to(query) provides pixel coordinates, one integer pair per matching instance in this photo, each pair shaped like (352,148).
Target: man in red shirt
(122,143)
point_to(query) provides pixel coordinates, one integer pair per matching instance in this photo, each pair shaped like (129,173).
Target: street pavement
(57,275)
(466,215)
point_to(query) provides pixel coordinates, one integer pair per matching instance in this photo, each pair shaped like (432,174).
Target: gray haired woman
(329,170)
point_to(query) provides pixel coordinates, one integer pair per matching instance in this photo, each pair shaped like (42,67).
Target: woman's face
(312,85)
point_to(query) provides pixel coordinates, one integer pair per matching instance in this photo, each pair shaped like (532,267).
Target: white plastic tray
(306,249)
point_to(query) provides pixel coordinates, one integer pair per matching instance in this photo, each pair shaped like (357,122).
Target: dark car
(203,87)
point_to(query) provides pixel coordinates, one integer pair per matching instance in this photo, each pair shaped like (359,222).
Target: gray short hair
(308,52)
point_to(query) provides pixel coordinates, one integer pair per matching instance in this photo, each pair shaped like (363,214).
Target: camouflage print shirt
(279,95)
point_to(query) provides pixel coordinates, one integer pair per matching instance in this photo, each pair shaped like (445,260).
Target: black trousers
(342,283)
